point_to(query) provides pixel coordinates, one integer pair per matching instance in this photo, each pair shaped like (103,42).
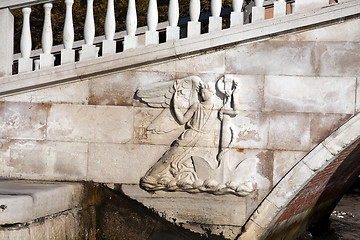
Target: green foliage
(79,11)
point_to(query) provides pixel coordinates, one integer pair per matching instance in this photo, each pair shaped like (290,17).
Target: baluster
(7,40)
(25,62)
(152,36)
(173,31)
(68,54)
(130,40)
(46,58)
(194,26)
(88,50)
(258,12)
(237,16)
(215,21)
(279,8)
(109,45)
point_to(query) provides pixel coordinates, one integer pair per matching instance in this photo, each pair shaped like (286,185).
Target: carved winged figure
(190,101)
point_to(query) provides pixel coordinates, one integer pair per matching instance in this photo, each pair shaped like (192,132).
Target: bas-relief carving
(191,103)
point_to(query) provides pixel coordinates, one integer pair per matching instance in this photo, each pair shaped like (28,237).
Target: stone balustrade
(90,49)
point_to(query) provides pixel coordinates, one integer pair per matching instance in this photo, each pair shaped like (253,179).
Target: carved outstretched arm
(183,118)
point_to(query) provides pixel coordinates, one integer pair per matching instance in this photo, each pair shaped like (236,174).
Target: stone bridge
(246,132)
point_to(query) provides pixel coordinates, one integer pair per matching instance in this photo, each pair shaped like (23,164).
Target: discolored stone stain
(322,126)
(266,165)
(240,150)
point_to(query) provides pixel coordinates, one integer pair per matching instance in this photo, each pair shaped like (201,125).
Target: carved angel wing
(160,95)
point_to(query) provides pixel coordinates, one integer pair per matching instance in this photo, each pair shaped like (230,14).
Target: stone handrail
(90,45)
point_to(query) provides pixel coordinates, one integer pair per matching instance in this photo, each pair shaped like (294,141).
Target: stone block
(90,123)
(207,63)
(37,231)
(250,130)
(184,207)
(290,184)
(55,228)
(258,14)
(71,226)
(130,42)
(289,131)
(48,160)
(309,94)
(25,65)
(265,214)
(67,56)
(252,231)
(270,57)
(88,52)
(279,8)
(125,163)
(338,58)
(343,136)
(283,161)
(151,37)
(15,234)
(215,24)
(357,110)
(322,125)
(45,199)
(46,61)
(7,40)
(75,93)
(236,19)
(317,158)
(23,120)
(15,208)
(172,33)
(116,90)
(348,31)
(108,47)
(249,93)
(193,29)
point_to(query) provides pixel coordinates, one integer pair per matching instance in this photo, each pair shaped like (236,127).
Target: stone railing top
(174,50)
(14,4)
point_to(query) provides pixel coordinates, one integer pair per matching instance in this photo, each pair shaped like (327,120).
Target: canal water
(344,220)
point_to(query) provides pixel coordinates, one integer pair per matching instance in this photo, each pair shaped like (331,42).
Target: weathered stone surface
(346,30)
(45,199)
(317,157)
(125,163)
(184,207)
(37,231)
(250,92)
(289,131)
(55,228)
(338,58)
(259,58)
(310,94)
(116,90)
(343,136)
(252,231)
(250,130)
(290,184)
(50,160)
(357,95)
(283,161)
(23,120)
(75,93)
(307,5)
(90,123)
(15,234)
(322,125)
(208,63)
(265,213)
(15,208)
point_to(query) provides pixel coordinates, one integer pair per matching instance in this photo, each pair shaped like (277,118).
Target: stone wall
(293,91)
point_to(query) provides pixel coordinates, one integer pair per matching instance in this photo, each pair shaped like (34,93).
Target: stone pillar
(194,26)
(130,40)
(109,45)
(258,12)
(215,21)
(46,58)
(68,54)
(88,50)
(173,31)
(279,8)
(237,16)
(152,36)
(7,40)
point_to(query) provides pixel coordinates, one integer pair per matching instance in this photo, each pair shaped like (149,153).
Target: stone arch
(311,189)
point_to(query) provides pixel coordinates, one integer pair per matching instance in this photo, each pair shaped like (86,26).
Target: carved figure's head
(205,92)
